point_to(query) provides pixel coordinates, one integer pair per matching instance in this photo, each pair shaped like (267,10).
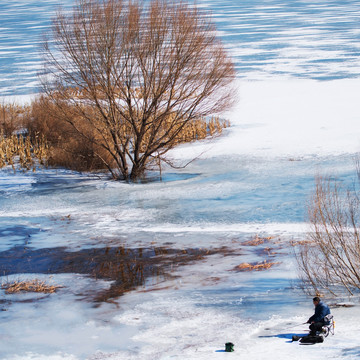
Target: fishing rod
(287,328)
(293,326)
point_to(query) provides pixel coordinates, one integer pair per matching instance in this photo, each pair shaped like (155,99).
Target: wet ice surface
(248,182)
(76,211)
(303,39)
(299,38)
(255,180)
(216,201)
(23,23)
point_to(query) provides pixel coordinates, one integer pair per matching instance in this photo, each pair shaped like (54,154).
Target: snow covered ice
(297,116)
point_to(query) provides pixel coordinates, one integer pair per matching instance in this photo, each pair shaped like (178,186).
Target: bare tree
(330,261)
(135,76)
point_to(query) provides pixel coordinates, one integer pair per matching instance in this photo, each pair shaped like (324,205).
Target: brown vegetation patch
(257,241)
(156,289)
(343,305)
(19,148)
(57,143)
(255,267)
(269,251)
(13,117)
(29,286)
(23,151)
(68,148)
(302,242)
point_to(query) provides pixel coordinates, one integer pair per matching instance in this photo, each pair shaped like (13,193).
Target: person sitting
(317,321)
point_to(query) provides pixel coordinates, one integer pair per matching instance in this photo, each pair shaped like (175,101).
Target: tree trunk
(137,172)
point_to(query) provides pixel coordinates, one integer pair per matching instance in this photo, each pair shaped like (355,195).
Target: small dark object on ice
(309,339)
(229,347)
(312,339)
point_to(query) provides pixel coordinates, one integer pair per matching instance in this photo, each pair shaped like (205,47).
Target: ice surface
(255,180)
(57,325)
(236,190)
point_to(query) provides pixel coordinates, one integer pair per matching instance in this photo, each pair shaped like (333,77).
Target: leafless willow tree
(330,260)
(135,75)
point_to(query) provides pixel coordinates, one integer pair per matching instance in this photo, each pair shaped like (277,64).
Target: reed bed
(200,129)
(256,267)
(22,151)
(13,117)
(29,286)
(65,147)
(197,129)
(257,241)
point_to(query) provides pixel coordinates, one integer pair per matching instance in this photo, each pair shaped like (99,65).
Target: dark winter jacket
(321,310)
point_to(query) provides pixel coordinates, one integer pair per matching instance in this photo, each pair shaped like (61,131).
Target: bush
(330,262)
(37,134)
(69,149)
(12,118)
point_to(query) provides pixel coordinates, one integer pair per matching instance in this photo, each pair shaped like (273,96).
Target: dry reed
(56,143)
(13,117)
(256,267)
(68,148)
(29,286)
(18,150)
(257,241)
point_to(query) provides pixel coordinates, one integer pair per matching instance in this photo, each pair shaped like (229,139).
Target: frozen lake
(297,117)
(267,38)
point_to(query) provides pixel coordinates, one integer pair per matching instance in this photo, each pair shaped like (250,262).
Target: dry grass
(29,286)
(257,241)
(18,150)
(15,148)
(65,147)
(196,129)
(69,149)
(200,129)
(13,117)
(302,242)
(255,267)
(269,251)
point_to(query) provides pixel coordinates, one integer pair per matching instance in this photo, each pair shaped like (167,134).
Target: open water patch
(127,268)
(153,177)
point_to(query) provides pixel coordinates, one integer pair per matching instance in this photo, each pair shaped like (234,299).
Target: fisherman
(317,321)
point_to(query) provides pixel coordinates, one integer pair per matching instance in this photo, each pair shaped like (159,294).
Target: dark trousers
(316,327)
